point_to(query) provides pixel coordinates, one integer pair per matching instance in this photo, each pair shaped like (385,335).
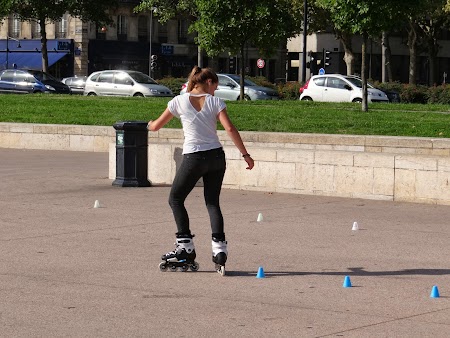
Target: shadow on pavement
(352,272)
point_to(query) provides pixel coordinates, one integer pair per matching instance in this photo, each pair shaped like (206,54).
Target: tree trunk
(387,56)
(44,45)
(364,106)
(412,46)
(349,57)
(433,50)
(432,70)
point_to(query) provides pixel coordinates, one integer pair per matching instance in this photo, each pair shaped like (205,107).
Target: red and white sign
(260,63)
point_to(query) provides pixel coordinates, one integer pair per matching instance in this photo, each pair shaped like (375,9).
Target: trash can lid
(130,125)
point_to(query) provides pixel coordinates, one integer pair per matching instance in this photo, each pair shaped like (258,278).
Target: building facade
(135,41)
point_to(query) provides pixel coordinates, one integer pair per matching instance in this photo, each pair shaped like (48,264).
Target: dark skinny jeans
(210,165)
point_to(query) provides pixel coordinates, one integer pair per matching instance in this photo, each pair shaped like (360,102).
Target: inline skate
(219,255)
(183,257)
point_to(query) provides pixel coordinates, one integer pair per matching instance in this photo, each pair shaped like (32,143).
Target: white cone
(260,218)
(355,226)
(97,204)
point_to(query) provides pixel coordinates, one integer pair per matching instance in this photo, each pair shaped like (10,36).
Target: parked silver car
(229,88)
(75,83)
(123,83)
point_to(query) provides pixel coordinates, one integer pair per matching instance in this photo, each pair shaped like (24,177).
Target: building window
(121,27)
(162,33)
(143,29)
(183,26)
(61,27)
(35,30)
(14,26)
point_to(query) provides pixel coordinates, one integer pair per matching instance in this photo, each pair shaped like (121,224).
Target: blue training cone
(260,273)
(434,292)
(347,282)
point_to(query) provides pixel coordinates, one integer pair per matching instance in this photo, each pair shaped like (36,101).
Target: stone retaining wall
(371,167)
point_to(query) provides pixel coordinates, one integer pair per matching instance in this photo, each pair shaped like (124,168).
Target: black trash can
(131,154)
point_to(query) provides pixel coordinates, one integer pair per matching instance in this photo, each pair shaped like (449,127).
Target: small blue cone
(260,273)
(434,292)
(347,282)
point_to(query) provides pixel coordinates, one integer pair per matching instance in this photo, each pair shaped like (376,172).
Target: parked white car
(339,88)
(229,88)
(123,83)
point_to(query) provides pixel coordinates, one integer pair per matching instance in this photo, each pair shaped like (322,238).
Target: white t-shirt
(199,127)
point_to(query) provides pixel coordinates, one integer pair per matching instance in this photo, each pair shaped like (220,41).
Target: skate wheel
(184,268)
(163,266)
(220,269)
(173,268)
(195,266)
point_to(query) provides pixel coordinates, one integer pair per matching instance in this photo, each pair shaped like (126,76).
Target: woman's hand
(250,162)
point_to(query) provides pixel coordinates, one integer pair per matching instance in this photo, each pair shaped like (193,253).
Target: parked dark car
(75,83)
(51,82)
(20,82)
(393,96)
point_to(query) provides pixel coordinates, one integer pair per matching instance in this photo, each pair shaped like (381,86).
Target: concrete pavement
(68,269)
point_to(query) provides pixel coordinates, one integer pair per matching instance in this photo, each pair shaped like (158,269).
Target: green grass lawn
(274,116)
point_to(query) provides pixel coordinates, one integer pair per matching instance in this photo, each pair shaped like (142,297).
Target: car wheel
(357,100)
(247,98)
(91,94)
(138,95)
(306,98)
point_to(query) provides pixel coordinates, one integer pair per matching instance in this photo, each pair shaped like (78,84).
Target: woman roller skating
(203,157)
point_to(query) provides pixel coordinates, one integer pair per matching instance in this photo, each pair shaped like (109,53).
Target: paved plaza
(68,269)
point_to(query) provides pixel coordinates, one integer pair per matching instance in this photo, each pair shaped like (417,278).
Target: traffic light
(153,63)
(325,58)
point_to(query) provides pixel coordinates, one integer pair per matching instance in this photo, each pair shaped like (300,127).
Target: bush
(289,90)
(261,81)
(414,94)
(408,93)
(439,94)
(173,83)
(389,86)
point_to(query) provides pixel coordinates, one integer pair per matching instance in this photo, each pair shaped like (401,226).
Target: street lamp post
(305,27)
(150,70)
(7,49)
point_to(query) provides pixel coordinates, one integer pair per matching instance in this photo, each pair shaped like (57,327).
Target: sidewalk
(68,269)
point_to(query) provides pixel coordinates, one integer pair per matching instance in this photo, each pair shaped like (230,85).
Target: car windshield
(357,82)
(237,78)
(141,78)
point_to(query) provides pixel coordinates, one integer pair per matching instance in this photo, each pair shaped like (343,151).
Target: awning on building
(29,59)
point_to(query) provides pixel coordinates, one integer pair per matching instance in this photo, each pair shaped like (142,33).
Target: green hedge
(173,83)
(418,93)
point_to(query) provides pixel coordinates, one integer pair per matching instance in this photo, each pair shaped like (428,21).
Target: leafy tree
(431,23)
(220,24)
(231,25)
(168,9)
(366,18)
(45,11)
(319,19)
